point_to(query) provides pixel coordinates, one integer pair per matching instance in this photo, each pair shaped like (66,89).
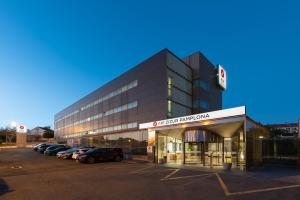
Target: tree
(48,133)
(7,135)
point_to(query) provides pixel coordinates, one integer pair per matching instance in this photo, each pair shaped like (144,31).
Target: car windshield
(71,150)
(55,146)
(89,150)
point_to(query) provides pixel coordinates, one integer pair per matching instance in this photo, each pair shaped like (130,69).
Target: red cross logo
(222,73)
(154,123)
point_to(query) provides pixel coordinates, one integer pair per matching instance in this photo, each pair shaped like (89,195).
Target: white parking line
(141,170)
(172,173)
(191,176)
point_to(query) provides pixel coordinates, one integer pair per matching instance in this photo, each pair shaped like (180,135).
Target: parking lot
(25,174)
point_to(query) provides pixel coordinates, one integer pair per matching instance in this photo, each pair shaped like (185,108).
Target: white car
(78,152)
(60,154)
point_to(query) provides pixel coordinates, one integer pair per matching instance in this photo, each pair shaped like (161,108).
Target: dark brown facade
(161,87)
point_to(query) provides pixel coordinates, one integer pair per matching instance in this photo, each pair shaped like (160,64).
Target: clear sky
(54,52)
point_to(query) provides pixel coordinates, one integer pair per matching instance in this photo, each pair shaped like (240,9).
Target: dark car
(42,148)
(101,154)
(55,150)
(53,146)
(35,147)
(67,154)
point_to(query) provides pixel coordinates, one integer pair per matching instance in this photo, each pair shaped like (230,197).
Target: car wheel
(91,160)
(117,158)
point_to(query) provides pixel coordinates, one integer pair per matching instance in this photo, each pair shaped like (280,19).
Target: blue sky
(54,52)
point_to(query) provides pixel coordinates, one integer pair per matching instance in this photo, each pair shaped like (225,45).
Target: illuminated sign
(222,77)
(21,128)
(197,117)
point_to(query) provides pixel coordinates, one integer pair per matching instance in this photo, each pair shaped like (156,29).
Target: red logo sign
(222,73)
(21,127)
(154,124)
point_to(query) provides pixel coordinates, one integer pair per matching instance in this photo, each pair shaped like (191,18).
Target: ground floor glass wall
(197,146)
(134,143)
(170,148)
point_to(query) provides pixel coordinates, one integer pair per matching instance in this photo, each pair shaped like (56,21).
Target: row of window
(105,130)
(200,83)
(110,95)
(201,104)
(104,114)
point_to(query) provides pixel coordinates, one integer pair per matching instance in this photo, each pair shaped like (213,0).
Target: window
(201,83)
(169,108)
(199,103)
(169,86)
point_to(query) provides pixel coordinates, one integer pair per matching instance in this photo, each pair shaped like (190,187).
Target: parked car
(66,154)
(81,150)
(36,146)
(53,151)
(101,154)
(42,148)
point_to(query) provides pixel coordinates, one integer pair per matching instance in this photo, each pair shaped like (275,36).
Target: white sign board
(197,117)
(222,77)
(21,128)
(149,149)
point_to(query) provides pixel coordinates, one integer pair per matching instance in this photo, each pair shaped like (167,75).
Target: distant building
(36,133)
(287,129)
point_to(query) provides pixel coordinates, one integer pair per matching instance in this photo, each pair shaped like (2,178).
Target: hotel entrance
(170,147)
(189,146)
(225,138)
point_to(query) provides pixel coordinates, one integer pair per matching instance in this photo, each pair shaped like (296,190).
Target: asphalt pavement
(25,174)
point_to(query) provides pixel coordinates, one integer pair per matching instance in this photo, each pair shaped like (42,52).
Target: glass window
(169,108)
(201,104)
(169,86)
(201,83)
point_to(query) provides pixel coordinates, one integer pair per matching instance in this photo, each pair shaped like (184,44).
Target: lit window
(169,108)
(169,86)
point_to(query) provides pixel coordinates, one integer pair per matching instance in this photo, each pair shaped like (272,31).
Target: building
(285,130)
(36,133)
(162,87)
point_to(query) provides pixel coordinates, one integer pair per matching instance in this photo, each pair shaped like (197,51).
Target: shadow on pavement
(4,187)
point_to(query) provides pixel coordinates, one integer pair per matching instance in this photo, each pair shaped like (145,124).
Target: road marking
(223,185)
(140,170)
(172,173)
(192,176)
(263,190)
(227,193)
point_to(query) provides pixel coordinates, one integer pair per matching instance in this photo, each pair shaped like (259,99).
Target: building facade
(162,86)
(285,130)
(36,134)
(168,110)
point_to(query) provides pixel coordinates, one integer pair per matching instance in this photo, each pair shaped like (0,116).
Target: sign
(149,149)
(197,117)
(222,77)
(21,128)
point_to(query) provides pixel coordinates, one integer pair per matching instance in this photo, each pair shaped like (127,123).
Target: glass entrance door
(170,149)
(194,152)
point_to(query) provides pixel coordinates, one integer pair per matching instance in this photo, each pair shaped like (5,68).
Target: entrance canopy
(223,122)
(209,139)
